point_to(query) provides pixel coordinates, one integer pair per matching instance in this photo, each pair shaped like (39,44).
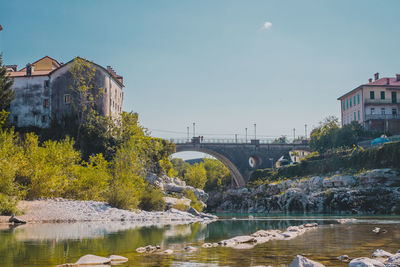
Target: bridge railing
(197,140)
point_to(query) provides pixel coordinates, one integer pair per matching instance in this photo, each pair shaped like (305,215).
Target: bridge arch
(236,175)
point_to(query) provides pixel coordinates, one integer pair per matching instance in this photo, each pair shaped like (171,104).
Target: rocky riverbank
(63,210)
(371,192)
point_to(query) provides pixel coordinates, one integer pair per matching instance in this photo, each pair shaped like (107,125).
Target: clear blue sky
(214,62)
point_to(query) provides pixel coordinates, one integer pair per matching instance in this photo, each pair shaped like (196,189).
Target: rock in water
(376,230)
(92,260)
(15,220)
(301,261)
(381,253)
(365,262)
(394,260)
(190,248)
(343,258)
(117,258)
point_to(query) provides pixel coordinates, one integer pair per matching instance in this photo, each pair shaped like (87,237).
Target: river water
(53,244)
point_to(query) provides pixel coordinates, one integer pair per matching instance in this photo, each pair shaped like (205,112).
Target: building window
(394,112)
(67,99)
(358,98)
(383,111)
(46,103)
(382,94)
(354,100)
(358,115)
(44,119)
(344,105)
(347,103)
(355,115)
(15,119)
(372,111)
(348,121)
(350,102)
(372,95)
(394,97)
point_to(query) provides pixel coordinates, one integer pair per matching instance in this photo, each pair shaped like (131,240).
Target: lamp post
(194,129)
(294,134)
(305,129)
(246,134)
(255,131)
(187,128)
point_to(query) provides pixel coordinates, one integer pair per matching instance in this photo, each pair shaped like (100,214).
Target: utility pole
(187,128)
(194,129)
(246,134)
(255,131)
(305,129)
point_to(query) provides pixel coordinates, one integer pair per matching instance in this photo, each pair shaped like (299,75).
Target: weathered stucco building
(42,92)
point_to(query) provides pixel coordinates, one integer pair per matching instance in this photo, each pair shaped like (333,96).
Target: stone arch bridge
(242,159)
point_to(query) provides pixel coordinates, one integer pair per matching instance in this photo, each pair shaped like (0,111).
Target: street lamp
(194,129)
(255,131)
(246,134)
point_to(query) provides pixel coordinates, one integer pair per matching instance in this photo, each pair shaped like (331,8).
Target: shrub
(91,180)
(8,204)
(196,175)
(152,199)
(195,203)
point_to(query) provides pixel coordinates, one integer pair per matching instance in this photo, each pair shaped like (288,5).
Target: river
(53,244)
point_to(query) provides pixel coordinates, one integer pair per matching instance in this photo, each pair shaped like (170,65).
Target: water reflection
(52,244)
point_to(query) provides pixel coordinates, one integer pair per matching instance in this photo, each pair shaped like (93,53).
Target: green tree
(180,166)
(196,175)
(6,92)
(218,176)
(281,140)
(84,90)
(323,137)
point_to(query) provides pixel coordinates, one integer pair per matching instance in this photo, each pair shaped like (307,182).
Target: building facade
(42,92)
(375,105)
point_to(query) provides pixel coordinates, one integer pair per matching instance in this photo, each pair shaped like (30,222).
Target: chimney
(397,77)
(370,80)
(29,69)
(376,76)
(387,81)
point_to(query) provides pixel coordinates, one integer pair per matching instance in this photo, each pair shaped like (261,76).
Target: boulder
(92,260)
(343,258)
(301,261)
(207,245)
(365,262)
(394,259)
(190,248)
(117,258)
(166,252)
(173,202)
(238,240)
(381,253)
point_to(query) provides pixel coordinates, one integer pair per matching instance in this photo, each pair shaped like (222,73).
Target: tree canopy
(6,92)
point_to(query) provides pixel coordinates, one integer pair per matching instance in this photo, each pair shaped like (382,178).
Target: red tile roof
(384,81)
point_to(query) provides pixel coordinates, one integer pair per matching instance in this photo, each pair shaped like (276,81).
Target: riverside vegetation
(108,163)
(92,157)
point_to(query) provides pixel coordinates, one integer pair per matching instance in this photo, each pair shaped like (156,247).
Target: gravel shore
(63,210)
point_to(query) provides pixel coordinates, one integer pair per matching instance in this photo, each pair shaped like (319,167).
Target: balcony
(382,117)
(378,101)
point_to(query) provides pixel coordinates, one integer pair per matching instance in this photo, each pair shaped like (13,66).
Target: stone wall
(372,192)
